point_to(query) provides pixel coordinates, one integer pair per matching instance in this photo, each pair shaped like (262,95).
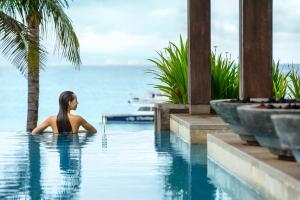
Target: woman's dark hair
(62,120)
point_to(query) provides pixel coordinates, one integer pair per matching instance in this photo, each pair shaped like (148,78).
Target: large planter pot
(288,130)
(258,121)
(162,113)
(227,109)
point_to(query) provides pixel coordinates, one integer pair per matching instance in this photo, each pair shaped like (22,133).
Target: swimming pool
(112,165)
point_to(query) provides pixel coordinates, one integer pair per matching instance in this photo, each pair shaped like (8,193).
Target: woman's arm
(40,128)
(87,126)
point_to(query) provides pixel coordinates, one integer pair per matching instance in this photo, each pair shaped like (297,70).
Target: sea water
(100,90)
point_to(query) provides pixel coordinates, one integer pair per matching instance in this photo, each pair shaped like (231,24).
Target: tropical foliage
(172,73)
(13,41)
(294,87)
(280,81)
(172,66)
(224,77)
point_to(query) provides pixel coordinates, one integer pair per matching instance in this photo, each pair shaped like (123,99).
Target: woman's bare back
(75,120)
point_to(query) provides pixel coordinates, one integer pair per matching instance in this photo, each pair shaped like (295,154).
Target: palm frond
(13,41)
(67,42)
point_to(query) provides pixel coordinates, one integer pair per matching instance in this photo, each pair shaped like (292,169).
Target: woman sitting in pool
(65,122)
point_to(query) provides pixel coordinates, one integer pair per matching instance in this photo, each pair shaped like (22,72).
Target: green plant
(171,71)
(224,77)
(294,88)
(280,81)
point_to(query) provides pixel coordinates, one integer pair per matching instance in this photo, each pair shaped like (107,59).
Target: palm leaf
(67,42)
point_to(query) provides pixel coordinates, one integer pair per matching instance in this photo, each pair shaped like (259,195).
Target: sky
(118,32)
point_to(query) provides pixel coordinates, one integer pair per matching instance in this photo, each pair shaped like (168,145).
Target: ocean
(100,90)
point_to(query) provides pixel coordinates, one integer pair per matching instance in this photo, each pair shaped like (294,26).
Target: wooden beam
(199,55)
(256,48)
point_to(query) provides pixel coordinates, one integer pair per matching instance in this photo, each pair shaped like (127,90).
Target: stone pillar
(162,113)
(199,56)
(256,48)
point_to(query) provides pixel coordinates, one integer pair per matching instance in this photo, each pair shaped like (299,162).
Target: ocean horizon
(100,90)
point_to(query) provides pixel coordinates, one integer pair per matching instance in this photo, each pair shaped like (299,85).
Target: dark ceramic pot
(258,121)
(227,110)
(288,130)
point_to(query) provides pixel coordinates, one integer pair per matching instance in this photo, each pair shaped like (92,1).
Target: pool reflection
(69,149)
(186,177)
(139,165)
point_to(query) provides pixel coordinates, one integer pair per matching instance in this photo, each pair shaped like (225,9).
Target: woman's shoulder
(76,117)
(51,119)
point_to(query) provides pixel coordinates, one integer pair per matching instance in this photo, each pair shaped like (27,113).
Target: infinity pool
(114,165)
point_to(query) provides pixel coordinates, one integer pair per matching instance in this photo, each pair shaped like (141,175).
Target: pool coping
(193,129)
(259,168)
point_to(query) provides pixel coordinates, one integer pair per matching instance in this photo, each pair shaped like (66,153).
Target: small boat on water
(144,112)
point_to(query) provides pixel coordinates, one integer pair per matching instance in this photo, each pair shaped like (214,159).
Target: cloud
(114,32)
(119,43)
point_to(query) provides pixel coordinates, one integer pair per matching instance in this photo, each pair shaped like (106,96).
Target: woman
(65,122)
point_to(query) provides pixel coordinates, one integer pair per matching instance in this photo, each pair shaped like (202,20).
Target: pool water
(114,165)
(108,165)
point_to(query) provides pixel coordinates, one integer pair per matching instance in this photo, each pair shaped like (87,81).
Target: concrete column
(256,48)
(199,56)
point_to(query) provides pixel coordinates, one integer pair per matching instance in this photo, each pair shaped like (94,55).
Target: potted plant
(227,108)
(225,91)
(171,72)
(257,118)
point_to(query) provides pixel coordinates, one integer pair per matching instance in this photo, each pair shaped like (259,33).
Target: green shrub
(172,66)
(224,77)
(294,87)
(172,72)
(280,82)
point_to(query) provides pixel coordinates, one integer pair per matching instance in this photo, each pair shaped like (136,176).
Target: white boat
(144,111)
(152,99)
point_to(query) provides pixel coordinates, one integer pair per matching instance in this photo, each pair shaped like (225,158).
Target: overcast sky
(118,32)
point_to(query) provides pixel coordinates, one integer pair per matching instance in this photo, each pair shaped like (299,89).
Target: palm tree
(39,18)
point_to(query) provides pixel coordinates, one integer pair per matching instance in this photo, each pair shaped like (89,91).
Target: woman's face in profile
(73,104)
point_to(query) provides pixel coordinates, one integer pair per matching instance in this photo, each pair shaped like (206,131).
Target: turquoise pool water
(112,165)
(127,162)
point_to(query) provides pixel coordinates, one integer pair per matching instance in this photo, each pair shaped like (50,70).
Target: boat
(144,112)
(153,97)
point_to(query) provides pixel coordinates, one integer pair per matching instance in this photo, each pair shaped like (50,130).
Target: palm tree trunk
(33,74)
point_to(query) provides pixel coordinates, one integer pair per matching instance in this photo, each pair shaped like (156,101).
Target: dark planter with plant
(256,120)
(227,108)
(171,72)
(287,128)
(225,89)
